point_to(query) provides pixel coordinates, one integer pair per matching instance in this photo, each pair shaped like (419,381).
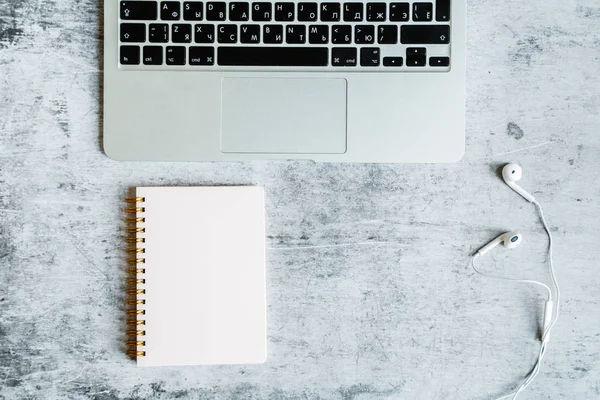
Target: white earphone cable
(510,279)
(538,364)
(542,352)
(530,377)
(550,262)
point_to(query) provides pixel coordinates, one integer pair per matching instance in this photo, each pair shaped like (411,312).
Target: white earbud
(509,239)
(511,173)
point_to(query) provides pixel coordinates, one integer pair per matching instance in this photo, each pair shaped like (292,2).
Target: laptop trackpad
(270,115)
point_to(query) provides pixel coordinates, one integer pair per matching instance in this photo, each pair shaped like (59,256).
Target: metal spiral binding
(135,279)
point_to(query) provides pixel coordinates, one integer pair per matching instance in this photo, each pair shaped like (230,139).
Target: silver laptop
(327,81)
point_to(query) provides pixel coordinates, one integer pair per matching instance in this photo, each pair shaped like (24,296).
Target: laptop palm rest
(295,116)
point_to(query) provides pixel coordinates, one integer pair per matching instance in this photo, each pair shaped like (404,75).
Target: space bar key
(273,56)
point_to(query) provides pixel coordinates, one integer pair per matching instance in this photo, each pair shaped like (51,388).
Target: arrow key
(133,33)
(416,51)
(392,61)
(439,61)
(416,61)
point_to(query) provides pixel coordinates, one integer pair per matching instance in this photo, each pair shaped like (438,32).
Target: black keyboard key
(250,34)
(129,55)
(239,11)
(387,34)
(202,55)
(193,11)
(176,55)
(204,33)
(416,61)
(442,10)
(364,34)
(135,33)
(376,12)
(416,51)
(343,57)
(170,10)
(295,34)
(399,12)
(307,11)
(422,13)
(215,11)
(227,33)
(284,11)
(369,57)
(139,10)
(318,34)
(425,34)
(273,34)
(159,33)
(341,34)
(331,12)
(273,56)
(182,33)
(392,61)
(439,61)
(353,12)
(153,55)
(261,12)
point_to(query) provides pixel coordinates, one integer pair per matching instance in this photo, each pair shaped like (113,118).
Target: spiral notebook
(197,291)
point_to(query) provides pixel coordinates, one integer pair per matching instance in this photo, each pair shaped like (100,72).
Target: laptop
(327,81)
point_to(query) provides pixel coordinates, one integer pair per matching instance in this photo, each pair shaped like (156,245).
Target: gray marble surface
(370,295)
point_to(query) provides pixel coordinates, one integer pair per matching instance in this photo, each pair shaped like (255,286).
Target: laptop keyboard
(352,36)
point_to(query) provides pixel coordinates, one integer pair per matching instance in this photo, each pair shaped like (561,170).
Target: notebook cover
(204,280)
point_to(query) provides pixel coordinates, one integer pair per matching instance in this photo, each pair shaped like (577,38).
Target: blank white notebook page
(205,287)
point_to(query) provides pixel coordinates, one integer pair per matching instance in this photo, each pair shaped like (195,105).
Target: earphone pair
(512,173)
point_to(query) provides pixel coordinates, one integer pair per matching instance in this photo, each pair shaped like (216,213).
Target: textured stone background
(369,290)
